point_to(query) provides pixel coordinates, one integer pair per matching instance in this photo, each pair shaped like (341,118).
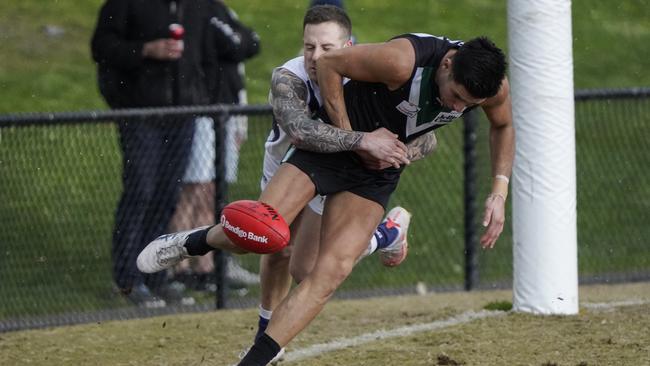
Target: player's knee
(342,271)
(327,288)
(330,276)
(301,266)
(299,271)
(321,289)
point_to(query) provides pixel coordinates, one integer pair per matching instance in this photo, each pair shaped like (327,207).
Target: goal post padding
(544,172)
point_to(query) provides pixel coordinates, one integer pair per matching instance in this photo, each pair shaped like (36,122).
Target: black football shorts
(343,171)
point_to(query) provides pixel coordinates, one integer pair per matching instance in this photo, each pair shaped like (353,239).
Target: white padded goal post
(544,173)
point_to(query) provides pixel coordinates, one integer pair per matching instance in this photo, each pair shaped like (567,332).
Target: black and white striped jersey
(414,108)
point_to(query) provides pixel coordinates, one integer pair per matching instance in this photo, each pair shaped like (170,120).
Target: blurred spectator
(234,44)
(140,64)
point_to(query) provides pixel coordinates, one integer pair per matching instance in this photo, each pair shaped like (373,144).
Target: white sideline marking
(614,304)
(466,317)
(317,349)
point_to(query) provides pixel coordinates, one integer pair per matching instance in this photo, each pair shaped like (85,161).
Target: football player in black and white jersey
(295,96)
(409,85)
(416,83)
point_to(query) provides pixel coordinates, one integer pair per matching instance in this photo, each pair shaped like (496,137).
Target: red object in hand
(176,31)
(255,226)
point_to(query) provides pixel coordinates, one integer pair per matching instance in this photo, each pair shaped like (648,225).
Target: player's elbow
(297,140)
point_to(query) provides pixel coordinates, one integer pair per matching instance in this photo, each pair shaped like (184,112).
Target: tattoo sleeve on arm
(289,101)
(422,146)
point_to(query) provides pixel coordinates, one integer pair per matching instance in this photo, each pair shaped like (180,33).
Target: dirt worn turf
(599,335)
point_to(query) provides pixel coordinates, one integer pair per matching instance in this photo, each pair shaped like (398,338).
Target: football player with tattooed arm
(410,85)
(295,97)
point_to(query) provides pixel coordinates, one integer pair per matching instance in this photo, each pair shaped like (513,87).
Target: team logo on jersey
(409,109)
(446,117)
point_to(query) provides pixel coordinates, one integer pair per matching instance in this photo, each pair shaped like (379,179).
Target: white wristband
(503,177)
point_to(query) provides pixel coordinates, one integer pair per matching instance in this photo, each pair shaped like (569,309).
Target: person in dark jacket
(140,64)
(234,43)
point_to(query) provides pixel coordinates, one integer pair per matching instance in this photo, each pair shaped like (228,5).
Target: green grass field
(59,186)
(614,335)
(40,73)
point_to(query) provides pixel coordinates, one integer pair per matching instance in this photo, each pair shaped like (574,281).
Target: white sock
(372,247)
(266,314)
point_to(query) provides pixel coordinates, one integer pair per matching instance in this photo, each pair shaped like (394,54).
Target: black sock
(262,352)
(197,242)
(261,326)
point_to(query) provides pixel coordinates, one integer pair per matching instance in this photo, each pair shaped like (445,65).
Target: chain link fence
(61,180)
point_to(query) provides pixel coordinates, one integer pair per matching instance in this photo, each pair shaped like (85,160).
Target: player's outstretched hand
(493,219)
(381,149)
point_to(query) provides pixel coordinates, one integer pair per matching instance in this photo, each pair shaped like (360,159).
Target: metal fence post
(470,132)
(220,201)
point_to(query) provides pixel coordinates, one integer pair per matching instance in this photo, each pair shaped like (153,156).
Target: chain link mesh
(60,185)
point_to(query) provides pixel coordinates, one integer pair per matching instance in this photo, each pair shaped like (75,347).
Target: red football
(255,226)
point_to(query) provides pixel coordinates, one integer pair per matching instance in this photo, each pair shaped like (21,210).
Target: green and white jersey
(414,108)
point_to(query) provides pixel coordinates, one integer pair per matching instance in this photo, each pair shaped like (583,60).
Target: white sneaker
(166,251)
(395,253)
(279,357)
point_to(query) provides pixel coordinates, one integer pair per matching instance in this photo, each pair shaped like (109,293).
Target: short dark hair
(328,13)
(337,3)
(479,66)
